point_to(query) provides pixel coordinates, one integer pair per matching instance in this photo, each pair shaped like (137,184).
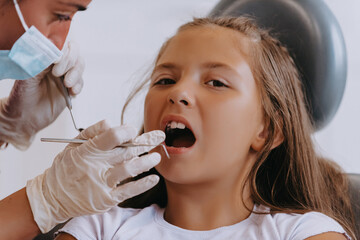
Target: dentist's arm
(82,180)
(16,218)
(32,105)
(35,103)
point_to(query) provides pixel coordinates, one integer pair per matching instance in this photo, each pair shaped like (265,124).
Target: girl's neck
(207,206)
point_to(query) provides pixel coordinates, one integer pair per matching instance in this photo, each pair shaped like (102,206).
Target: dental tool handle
(66,94)
(68,102)
(80,141)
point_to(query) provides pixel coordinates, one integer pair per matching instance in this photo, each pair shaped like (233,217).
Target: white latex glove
(36,102)
(72,66)
(83,178)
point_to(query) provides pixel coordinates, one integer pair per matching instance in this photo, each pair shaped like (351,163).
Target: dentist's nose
(58,35)
(181,95)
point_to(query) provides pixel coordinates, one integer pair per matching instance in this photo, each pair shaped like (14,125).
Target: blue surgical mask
(31,54)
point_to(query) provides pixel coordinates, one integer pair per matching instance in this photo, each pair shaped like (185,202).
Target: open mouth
(178,135)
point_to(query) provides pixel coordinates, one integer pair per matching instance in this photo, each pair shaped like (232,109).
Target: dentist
(83,179)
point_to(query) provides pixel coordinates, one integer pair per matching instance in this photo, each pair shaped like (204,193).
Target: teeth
(174,125)
(181,125)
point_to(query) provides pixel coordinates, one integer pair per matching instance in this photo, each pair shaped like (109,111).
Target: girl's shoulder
(295,226)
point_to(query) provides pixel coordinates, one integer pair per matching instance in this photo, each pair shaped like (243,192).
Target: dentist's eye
(62,17)
(216,83)
(165,81)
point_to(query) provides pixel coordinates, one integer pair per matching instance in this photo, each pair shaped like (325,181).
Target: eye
(165,81)
(216,83)
(63,17)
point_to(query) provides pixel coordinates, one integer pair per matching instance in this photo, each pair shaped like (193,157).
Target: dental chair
(313,36)
(315,41)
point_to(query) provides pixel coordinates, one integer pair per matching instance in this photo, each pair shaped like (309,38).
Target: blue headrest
(313,36)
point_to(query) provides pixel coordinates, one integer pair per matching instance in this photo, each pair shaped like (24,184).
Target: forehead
(212,43)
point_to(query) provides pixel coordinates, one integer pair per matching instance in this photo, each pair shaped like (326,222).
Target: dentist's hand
(35,103)
(84,178)
(72,66)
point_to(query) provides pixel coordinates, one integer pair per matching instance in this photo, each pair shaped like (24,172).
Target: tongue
(183,141)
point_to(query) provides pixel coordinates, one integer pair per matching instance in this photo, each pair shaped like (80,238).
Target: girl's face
(202,82)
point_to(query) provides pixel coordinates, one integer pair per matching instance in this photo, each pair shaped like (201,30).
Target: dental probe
(68,102)
(79,141)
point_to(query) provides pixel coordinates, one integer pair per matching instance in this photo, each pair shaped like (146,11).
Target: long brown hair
(290,178)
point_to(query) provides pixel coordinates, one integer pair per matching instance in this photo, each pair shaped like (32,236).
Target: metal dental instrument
(80,141)
(68,102)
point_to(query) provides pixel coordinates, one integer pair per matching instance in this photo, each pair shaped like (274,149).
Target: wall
(119,40)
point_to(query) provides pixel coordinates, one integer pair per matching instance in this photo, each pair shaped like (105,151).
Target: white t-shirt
(149,223)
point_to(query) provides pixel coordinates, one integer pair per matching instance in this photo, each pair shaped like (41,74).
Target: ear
(263,133)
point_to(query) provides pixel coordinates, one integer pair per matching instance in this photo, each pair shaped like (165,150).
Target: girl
(243,166)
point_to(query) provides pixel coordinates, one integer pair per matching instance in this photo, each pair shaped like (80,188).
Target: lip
(180,119)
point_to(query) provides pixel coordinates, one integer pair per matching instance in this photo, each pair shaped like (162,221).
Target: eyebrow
(164,66)
(79,7)
(211,65)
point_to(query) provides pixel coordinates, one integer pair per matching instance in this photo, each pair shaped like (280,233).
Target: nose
(181,95)
(58,35)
